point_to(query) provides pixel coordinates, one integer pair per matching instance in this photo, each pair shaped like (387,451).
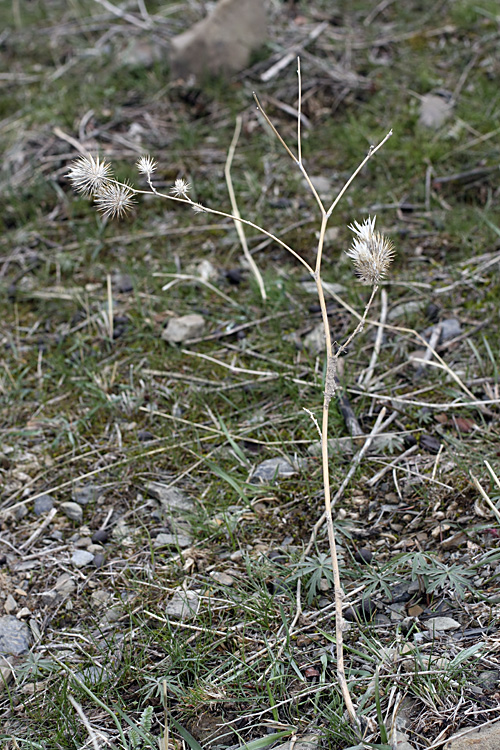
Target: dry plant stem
(235,210)
(214,212)
(330,386)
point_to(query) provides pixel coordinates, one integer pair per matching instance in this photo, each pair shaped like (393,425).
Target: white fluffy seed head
(88,175)
(114,200)
(180,188)
(146,165)
(371,252)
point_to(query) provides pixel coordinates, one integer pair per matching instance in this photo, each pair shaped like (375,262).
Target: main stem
(329,392)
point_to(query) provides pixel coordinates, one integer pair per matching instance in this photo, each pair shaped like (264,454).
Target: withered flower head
(371,252)
(89,175)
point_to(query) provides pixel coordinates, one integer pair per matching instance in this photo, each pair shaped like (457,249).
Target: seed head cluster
(371,252)
(88,175)
(146,165)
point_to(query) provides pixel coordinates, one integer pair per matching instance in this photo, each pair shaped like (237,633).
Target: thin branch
(235,210)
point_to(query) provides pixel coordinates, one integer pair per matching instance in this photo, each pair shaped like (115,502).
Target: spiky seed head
(371,252)
(198,208)
(146,165)
(180,188)
(115,200)
(89,175)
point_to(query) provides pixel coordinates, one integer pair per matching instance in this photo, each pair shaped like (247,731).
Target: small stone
(72,510)
(173,540)
(363,556)
(489,679)
(99,560)
(183,328)
(406,309)
(430,443)
(315,341)
(144,436)
(65,584)
(43,504)
(86,493)
(223,578)
(435,109)
(114,614)
(19,512)
(400,742)
(80,558)
(364,612)
(100,537)
(183,605)
(272,469)
(100,598)
(95,548)
(450,328)
(222,42)
(441,624)
(14,636)
(485,738)
(170,498)
(82,542)
(6,673)
(10,605)
(23,613)
(415,611)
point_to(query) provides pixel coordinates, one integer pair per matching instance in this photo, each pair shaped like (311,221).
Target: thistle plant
(371,253)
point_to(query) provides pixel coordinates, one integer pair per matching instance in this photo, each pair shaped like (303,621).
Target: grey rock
(221,42)
(170,498)
(94,549)
(486,738)
(14,636)
(315,340)
(183,605)
(10,605)
(65,584)
(440,624)
(83,494)
(406,309)
(450,328)
(183,328)
(329,286)
(223,578)
(43,504)
(19,512)
(82,542)
(6,673)
(114,614)
(99,560)
(271,469)
(80,558)
(100,537)
(72,510)
(489,679)
(401,742)
(173,540)
(435,110)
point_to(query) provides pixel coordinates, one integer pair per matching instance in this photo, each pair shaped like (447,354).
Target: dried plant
(370,252)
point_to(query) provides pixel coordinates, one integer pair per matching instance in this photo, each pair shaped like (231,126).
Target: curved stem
(214,212)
